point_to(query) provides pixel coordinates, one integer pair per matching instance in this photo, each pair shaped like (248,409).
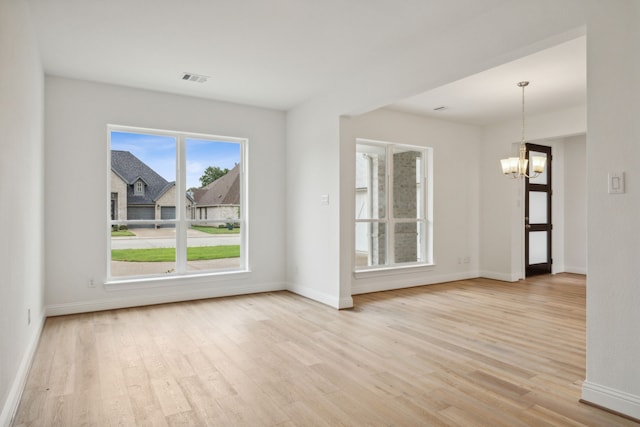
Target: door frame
(546,267)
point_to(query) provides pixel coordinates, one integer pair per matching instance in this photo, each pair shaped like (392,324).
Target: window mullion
(391,256)
(181,225)
(243,217)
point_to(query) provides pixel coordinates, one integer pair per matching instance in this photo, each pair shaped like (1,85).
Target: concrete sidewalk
(123,268)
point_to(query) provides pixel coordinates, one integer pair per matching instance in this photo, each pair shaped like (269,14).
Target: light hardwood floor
(468,353)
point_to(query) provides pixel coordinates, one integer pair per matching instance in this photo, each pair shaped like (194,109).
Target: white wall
(457,198)
(455,195)
(558,217)
(316,161)
(77,114)
(313,228)
(318,147)
(502,199)
(575,204)
(613,145)
(22,206)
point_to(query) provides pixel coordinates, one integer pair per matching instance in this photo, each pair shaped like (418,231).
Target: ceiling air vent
(192,77)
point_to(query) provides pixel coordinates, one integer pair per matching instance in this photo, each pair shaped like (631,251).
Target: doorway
(537,215)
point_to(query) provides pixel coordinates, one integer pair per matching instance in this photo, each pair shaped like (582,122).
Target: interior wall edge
(17,388)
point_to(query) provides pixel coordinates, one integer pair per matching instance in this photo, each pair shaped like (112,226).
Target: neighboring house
(220,200)
(139,192)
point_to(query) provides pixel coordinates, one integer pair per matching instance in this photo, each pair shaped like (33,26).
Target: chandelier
(516,167)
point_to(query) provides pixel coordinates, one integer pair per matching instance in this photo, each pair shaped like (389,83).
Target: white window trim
(150,281)
(427,183)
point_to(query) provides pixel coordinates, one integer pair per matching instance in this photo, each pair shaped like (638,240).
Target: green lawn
(122,233)
(169,254)
(215,230)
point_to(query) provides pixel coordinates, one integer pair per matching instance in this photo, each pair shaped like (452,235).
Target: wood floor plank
(474,352)
(170,396)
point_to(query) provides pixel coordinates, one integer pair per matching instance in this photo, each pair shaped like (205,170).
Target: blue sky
(159,153)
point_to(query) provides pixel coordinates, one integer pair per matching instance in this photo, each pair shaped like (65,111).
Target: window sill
(391,271)
(162,282)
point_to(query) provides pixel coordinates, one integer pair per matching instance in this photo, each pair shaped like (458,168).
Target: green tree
(211,174)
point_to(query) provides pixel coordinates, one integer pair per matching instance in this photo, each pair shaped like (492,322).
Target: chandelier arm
(516,175)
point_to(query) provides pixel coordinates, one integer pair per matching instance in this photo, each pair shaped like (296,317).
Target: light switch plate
(616,182)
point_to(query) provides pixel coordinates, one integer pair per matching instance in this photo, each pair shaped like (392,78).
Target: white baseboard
(17,388)
(321,297)
(126,301)
(609,398)
(405,281)
(575,270)
(345,302)
(504,277)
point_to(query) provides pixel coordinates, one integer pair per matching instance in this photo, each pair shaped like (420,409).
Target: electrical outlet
(92,283)
(467,260)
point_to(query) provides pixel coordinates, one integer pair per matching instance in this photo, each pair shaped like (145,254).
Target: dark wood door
(537,216)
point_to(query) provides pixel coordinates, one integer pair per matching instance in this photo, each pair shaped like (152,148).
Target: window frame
(139,188)
(389,219)
(182,220)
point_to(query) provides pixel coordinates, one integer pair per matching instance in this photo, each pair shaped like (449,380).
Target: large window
(177,203)
(393,223)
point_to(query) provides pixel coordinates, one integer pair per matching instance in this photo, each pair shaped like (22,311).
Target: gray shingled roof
(223,191)
(130,169)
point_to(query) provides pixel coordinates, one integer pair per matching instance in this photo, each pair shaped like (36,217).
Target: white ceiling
(277,54)
(557,76)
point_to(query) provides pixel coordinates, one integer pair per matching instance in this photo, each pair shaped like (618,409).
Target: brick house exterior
(220,200)
(138,192)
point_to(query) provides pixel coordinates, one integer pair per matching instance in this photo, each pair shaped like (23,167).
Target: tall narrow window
(162,184)
(393,221)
